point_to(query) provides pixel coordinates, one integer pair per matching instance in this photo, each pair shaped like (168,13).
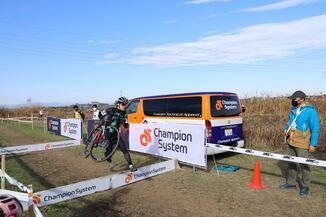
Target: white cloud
(248,45)
(279,5)
(204,1)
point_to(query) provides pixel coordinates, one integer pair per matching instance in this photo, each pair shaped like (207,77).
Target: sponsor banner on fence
(72,191)
(38,147)
(91,124)
(183,142)
(142,173)
(54,125)
(71,128)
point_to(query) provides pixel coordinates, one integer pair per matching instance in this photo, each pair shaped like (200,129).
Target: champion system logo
(218,105)
(50,124)
(128,178)
(65,127)
(37,199)
(47,147)
(146,138)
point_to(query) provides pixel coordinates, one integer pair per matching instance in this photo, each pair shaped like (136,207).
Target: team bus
(219,112)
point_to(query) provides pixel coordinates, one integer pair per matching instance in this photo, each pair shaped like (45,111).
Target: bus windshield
(225,106)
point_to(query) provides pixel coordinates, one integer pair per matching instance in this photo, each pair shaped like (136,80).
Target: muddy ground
(180,193)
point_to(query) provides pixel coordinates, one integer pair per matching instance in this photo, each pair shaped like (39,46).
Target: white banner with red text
(185,143)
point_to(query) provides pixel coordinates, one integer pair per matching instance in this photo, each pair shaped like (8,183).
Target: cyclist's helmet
(122,100)
(10,206)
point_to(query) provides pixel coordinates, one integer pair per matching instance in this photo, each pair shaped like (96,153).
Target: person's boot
(287,186)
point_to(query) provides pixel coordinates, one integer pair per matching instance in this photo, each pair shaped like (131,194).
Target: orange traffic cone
(255,180)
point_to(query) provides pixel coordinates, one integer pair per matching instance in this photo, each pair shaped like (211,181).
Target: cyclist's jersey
(116,117)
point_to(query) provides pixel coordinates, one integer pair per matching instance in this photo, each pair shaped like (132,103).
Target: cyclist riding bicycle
(116,117)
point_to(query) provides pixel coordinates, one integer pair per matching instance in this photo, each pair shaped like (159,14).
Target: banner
(142,173)
(38,147)
(182,142)
(72,191)
(54,125)
(71,128)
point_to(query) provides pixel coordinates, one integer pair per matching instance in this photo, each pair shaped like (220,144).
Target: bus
(219,112)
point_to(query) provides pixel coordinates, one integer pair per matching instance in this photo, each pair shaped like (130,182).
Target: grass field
(180,193)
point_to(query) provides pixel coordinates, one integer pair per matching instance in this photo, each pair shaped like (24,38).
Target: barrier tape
(16,120)
(13,181)
(84,188)
(36,211)
(38,147)
(270,155)
(91,186)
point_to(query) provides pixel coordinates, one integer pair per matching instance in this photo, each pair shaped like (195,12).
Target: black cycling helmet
(122,100)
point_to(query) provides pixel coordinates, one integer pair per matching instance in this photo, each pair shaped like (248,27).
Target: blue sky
(83,51)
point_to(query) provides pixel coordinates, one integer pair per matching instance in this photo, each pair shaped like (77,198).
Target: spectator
(302,133)
(78,114)
(96,112)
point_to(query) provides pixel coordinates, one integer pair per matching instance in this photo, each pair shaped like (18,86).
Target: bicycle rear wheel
(95,137)
(99,151)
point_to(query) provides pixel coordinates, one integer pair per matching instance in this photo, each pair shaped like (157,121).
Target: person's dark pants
(121,146)
(298,172)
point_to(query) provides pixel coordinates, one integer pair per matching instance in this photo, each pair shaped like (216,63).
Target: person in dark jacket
(116,117)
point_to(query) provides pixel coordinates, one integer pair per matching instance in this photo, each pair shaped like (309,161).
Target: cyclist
(115,117)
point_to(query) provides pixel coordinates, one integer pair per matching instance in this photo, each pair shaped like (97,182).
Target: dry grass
(265,118)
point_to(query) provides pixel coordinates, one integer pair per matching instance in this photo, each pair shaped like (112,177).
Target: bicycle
(96,145)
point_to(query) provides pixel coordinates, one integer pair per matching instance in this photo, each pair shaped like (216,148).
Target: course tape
(36,211)
(16,120)
(142,173)
(71,191)
(87,187)
(270,155)
(13,181)
(38,147)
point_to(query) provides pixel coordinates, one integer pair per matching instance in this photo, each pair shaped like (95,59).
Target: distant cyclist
(115,117)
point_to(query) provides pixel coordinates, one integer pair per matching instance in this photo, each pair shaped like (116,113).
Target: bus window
(132,107)
(155,107)
(185,107)
(224,106)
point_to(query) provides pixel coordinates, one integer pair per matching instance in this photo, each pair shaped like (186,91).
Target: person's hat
(298,94)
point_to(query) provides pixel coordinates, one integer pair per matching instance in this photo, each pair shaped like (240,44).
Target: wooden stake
(3,168)
(30,201)
(32,121)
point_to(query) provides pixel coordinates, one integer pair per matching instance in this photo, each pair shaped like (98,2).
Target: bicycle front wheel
(105,149)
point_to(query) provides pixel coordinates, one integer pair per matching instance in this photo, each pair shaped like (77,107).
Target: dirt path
(180,193)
